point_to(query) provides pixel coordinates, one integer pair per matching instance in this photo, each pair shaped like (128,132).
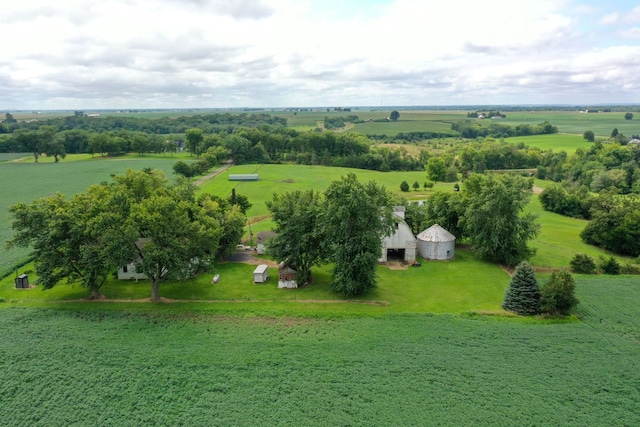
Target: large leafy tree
(80,240)
(494,221)
(194,139)
(523,293)
(557,295)
(615,224)
(300,240)
(356,218)
(436,169)
(176,234)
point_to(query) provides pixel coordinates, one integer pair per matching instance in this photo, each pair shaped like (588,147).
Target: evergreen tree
(523,295)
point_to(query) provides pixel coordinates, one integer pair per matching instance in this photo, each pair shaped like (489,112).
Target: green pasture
(177,364)
(283,178)
(556,142)
(559,239)
(26,181)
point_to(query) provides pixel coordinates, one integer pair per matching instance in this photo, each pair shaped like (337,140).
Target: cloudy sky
(80,54)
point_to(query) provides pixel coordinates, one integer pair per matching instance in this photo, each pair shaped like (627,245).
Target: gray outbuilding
(436,243)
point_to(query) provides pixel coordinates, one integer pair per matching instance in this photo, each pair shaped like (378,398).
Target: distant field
(556,142)
(194,364)
(282,178)
(577,123)
(27,181)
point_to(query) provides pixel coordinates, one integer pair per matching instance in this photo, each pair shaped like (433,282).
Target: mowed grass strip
(463,284)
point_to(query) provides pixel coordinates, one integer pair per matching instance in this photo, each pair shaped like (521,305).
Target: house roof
(263,236)
(436,234)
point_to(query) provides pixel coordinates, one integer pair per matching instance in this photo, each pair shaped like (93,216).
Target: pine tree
(523,295)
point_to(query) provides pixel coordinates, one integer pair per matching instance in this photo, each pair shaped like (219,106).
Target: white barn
(436,243)
(402,243)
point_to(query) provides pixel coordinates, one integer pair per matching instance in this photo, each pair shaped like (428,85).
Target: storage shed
(436,243)
(243,177)
(261,274)
(22,282)
(287,276)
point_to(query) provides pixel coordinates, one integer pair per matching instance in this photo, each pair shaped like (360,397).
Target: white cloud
(143,53)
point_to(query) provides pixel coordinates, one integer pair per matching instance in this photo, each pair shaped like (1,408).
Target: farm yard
(430,346)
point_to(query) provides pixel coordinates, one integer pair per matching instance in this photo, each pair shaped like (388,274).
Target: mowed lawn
(463,284)
(169,365)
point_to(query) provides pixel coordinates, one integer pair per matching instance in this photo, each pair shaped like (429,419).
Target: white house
(261,241)
(128,272)
(401,244)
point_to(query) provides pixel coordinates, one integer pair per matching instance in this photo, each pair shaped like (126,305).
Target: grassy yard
(177,364)
(464,284)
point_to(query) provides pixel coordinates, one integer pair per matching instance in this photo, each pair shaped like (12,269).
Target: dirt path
(213,174)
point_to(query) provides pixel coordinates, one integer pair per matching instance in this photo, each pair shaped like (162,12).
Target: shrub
(629,268)
(429,184)
(184,169)
(557,295)
(523,294)
(404,186)
(583,264)
(609,266)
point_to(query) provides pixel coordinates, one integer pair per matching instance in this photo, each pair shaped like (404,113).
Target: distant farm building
(243,177)
(287,277)
(436,243)
(401,245)
(261,274)
(261,241)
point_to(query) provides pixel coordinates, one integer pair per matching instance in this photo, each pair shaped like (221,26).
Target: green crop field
(96,364)
(577,123)
(27,181)
(556,142)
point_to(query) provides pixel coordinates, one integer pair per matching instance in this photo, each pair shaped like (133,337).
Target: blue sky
(74,54)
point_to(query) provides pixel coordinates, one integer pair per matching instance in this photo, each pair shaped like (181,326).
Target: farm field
(27,181)
(556,142)
(169,366)
(577,123)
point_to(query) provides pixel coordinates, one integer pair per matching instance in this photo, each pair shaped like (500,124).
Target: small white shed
(436,243)
(261,274)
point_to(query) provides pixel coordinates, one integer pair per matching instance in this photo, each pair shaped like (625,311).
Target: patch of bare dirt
(537,190)
(397,265)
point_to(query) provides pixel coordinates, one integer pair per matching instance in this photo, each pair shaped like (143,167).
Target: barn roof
(436,234)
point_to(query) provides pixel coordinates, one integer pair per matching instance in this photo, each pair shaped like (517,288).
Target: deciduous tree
(557,295)
(493,218)
(300,239)
(356,218)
